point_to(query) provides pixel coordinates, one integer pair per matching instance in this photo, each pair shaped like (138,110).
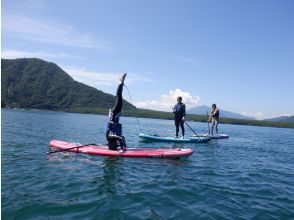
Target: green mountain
(202,110)
(282,119)
(35,83)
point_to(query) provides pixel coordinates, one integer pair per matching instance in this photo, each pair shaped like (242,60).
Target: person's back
(180,111)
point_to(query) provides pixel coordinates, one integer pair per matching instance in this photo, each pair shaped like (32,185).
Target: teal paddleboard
(217,136)
(174,139)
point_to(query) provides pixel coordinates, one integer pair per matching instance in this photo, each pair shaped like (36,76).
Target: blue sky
(237,54)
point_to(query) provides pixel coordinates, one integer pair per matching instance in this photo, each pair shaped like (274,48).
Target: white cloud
(49,32)
(167,101)
(287,115)
(13,54)
(262,116)
(92,78)
(83,75)
(257,115)
(96,79)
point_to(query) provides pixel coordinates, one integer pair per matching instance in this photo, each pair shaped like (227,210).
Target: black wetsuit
(114,128)
(180,112)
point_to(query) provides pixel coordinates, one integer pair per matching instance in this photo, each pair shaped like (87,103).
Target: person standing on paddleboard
(114,128)
(214,118)
(180,112)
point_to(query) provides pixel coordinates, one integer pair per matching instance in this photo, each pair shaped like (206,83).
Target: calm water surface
(248,176)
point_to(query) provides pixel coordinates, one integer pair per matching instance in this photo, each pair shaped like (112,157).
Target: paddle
(208,123)
(51,152)
(193,130)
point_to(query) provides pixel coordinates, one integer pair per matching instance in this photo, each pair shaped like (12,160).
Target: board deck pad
(174,139)
(219,136)
(130,152)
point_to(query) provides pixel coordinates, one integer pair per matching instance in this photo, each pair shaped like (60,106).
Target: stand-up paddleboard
(130,152)
(174,139)
(218,136)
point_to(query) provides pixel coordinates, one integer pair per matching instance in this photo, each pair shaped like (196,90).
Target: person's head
(179,99)
(213,106)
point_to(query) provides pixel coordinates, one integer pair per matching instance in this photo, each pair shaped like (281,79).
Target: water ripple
(248,176)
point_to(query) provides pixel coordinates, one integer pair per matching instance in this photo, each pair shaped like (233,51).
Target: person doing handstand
(114,128)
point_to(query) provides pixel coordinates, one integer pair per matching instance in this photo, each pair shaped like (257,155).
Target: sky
(235,53)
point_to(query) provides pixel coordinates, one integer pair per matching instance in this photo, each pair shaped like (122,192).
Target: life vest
(115,128)
(215,113)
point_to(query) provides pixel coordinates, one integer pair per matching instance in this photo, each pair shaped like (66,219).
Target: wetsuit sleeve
(175,109)
(184,111)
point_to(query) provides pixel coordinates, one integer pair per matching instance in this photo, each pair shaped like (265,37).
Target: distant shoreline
(145,113)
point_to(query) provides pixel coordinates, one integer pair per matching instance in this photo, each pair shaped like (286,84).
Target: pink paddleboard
(130,152)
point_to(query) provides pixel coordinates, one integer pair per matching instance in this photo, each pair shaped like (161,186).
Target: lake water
(248,176)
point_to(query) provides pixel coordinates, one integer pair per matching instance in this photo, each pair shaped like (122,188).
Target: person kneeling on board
(114,128)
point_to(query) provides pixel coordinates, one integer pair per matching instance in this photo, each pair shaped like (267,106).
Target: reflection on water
(112,175)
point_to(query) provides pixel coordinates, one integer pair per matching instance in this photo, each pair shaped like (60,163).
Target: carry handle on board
(84,145)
